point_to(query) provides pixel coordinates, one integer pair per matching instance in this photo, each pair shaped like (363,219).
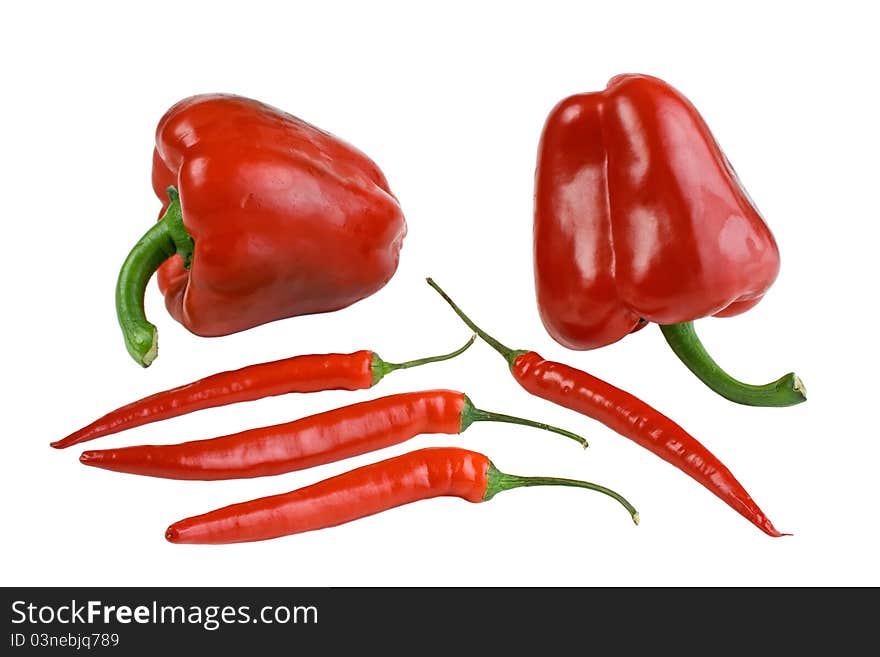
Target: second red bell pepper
(264,217)
(639,217)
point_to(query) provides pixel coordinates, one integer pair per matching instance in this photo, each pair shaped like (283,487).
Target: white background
(449,102)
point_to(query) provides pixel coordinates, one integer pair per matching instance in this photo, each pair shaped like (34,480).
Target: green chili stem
(471,414)
(499,481)
(166,238)
(785,391)
(380,368)
(509,354)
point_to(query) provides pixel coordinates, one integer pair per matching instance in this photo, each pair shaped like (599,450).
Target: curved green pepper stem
(166,238)
(785,391)
(380,368)
(509,354)
(471,414)
(499,481)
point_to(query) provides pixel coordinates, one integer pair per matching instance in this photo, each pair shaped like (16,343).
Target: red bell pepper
(639,217)
(266,217)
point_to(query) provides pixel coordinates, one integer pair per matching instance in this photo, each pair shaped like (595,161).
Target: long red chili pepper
(418,475)
(322,438)
(308,373)
(625,414)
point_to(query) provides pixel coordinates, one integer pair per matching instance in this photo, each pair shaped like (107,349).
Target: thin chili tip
(771,531)
(89,457)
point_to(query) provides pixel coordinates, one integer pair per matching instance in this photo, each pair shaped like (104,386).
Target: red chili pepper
(625,414)
(274,218)
(418,475)
(322,438)
(310,373)
(640,217)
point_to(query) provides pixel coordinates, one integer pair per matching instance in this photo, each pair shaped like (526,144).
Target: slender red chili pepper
(322,438)
(308,373)
(418,475)
(625,414)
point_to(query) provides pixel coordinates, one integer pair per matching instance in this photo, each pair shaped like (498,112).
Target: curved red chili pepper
(308,373)
(418,475)
(322,438)
(628,416)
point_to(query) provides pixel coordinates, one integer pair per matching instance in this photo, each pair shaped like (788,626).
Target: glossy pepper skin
(297,374)
(633,418)
(341,499)
(627,415)
(639,216)
(285,219)
(325,437)
(419,475)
